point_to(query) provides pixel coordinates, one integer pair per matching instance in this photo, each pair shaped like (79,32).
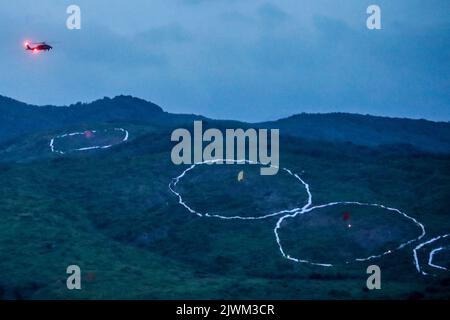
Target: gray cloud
(172,33)
(272,14)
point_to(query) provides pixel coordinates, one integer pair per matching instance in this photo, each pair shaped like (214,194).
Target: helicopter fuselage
(41,47)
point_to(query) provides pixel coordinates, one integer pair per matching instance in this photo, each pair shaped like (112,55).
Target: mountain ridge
(293,116)
(18,118)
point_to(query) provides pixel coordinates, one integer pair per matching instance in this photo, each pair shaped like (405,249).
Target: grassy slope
(367,130)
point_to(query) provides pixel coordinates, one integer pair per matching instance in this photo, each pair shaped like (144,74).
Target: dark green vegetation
(324,236)
(367,130)
(111,213)
(442,258)
(18,118)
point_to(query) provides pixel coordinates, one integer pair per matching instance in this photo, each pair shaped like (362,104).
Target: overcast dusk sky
(241,59)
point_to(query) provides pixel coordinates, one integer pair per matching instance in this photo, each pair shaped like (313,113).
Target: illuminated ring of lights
(307,210)
(54,150)
(431,254)
(175,181)
(293,213)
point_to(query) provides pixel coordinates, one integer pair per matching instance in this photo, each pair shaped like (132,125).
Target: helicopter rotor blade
(45,42)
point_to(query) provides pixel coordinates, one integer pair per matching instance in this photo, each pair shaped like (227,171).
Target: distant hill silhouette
(17,118)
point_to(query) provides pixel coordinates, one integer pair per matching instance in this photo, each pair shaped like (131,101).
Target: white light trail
(430,258)
(176,180)
(293,213)
(54,150)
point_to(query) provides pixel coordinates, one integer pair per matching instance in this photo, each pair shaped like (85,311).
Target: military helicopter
(38,46)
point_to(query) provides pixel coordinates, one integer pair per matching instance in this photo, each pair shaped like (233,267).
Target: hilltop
(18,119)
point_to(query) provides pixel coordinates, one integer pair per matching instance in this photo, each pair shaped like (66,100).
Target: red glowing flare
(88,134)
(346,216)
(90,276)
